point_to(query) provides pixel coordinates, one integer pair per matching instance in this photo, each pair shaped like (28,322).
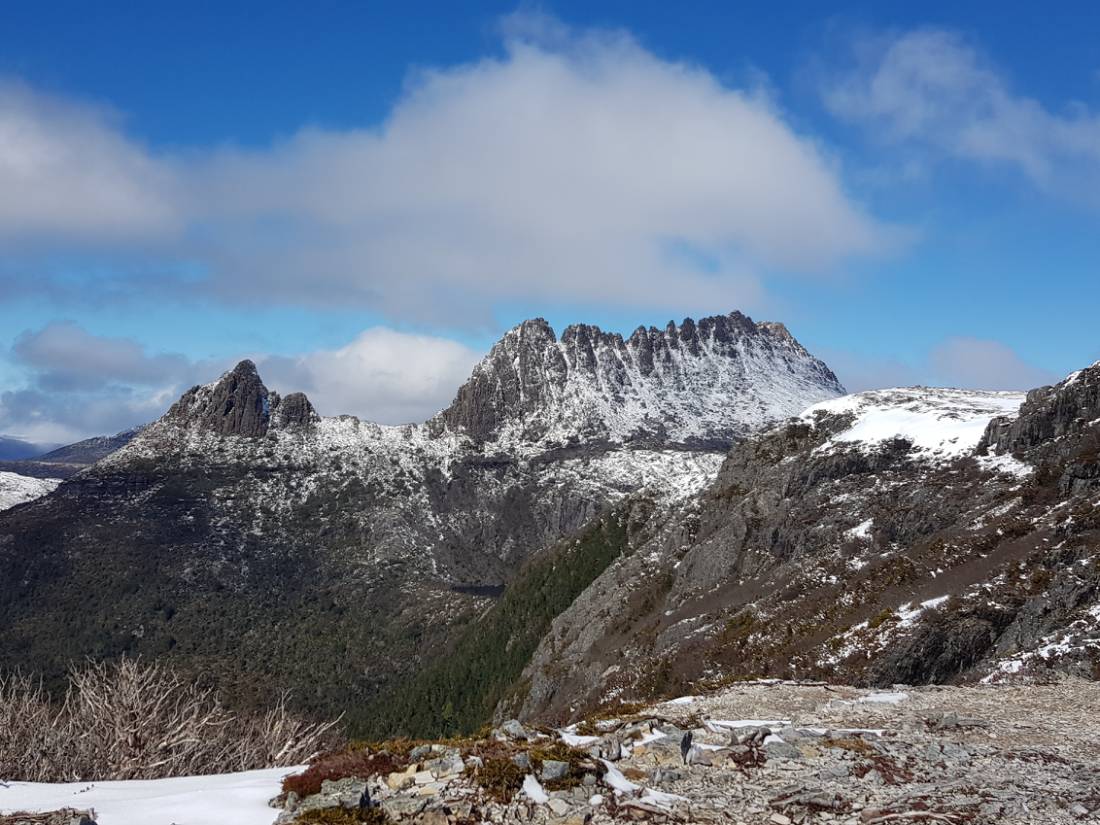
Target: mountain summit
(705,383)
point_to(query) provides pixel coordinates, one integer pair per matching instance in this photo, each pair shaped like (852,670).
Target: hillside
(911,535)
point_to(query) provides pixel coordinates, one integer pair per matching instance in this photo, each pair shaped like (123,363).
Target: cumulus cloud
(574,168)
(67,357)
(67,171)
(931,88)
(383,375)
(80,384)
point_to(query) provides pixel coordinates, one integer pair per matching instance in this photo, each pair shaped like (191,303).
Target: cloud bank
(576,167)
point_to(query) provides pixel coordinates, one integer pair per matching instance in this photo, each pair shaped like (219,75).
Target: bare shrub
(133,720)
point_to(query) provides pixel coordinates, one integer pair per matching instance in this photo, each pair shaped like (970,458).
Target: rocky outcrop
(294,411)
(1049,413)
(236,404)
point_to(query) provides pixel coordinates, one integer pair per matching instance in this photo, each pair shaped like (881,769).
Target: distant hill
(51,461)
(14,449)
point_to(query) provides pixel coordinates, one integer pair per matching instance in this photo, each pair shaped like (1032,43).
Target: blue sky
(362,197)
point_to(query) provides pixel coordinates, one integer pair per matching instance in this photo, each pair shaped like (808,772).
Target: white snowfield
(16,489)
(223,799)
(941,424)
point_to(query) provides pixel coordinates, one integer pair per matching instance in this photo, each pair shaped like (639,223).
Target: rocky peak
(705,381)
(238,403)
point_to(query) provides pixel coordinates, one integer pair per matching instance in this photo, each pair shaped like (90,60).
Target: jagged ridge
(709,382)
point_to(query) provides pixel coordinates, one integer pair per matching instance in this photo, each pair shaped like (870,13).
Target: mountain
(14,449)
(912,535)
(246,537)
(63,462)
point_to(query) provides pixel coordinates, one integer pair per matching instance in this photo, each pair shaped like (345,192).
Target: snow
(238,798)
(939,423)
(652,736)
(681,700)
(661,799)
(861,530)
(1005,464)
(533,790)
(615,779)
(908,614)
(575,741)
(17,489)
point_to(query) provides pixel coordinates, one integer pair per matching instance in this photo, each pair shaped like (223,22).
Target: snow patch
(17,489)
(239,798)
(940,423)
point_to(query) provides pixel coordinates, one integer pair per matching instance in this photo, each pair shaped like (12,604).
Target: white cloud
(931,88)
(383,375)
(67,171)
(80,384)
(68,357)
(574,168)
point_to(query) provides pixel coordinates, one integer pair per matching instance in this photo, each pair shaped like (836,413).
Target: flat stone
(559,806)
(399,806)
(553,770)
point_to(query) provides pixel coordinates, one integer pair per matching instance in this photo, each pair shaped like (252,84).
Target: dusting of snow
(17,489)
(1006,464)
(239,798)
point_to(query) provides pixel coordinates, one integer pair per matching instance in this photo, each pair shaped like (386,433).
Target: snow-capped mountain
(243,526)
(703,383)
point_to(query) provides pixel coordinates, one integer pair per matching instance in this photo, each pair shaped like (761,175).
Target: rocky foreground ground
(760,752)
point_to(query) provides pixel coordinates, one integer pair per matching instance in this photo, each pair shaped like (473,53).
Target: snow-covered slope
(237,798)
(940,424)
(16,489)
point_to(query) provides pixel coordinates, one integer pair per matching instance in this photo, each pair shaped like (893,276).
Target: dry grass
(361,763)
(131,720)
